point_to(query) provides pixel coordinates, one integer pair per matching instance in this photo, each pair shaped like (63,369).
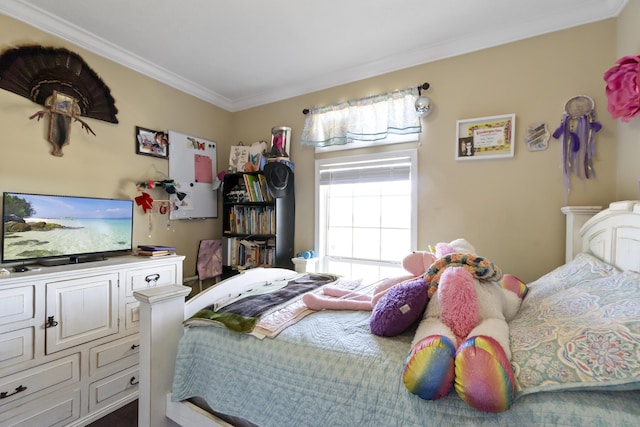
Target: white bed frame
(612,235)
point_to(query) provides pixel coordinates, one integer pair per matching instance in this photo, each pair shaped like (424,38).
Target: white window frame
(412,154)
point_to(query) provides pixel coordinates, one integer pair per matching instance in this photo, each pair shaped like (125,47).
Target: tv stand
(70,338)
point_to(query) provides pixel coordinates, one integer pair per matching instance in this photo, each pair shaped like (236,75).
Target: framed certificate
(485,137)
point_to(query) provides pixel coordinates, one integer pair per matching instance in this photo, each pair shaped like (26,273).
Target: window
(367,213)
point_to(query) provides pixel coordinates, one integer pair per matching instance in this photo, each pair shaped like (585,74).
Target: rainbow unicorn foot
(429,367)
(484,377)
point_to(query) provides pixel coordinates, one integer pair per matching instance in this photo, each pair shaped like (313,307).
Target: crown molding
(595,10)
(65,30)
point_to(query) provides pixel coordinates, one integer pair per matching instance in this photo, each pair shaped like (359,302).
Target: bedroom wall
(509,208)
(105,165)
(628,171)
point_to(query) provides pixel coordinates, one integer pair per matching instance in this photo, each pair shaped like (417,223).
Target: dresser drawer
(113,388)
(150,277)
(47,376)
(132,315)
(114,356)
(16,304)
(16,346)
(56,411)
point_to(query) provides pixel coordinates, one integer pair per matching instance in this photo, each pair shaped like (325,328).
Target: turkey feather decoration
(63,83)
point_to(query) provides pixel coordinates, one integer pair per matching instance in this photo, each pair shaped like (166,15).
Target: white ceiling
(238,54)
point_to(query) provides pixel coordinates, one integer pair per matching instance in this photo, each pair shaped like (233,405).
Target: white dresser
(69,338)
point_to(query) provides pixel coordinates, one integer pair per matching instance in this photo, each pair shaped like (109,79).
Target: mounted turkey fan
(63,83)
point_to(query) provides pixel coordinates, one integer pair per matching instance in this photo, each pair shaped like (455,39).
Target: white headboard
(576,217)
(613,235)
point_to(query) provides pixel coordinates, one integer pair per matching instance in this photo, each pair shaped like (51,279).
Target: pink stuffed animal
(415,263)
(464,334)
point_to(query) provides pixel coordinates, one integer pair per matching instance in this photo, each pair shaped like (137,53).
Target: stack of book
(154,251)
(256,186)
(238,252)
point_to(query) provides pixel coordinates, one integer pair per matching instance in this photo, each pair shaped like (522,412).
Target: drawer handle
(134,346)
(152,278)
(134,381)
(50,322)
(6,394)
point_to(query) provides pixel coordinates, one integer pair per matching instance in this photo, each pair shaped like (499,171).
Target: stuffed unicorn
(463,337)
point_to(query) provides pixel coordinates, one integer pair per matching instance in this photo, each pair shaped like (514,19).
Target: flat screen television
(54,229)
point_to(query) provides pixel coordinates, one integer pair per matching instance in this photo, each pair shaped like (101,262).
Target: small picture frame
(485,137)
(63,104)
(280,138)
(238,158)
(152,143)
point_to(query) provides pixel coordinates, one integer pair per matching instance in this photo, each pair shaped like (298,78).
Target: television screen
(40,227)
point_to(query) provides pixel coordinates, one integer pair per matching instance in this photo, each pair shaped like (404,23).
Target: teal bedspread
(329,370)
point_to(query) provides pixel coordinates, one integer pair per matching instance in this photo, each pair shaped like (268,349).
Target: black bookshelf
(257,229)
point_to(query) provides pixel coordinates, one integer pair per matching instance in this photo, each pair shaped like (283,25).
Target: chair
(209,262)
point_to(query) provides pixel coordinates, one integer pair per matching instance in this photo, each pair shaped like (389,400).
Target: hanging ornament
(145,201)
(423,103)
(577,130)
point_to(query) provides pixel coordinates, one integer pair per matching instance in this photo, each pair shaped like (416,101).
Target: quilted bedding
(329,370)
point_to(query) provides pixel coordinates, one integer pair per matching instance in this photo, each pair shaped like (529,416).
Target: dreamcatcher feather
(577,130)
(62,82)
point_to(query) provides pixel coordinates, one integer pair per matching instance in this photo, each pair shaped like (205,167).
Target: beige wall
(105,165)
(509,208)
(628,171)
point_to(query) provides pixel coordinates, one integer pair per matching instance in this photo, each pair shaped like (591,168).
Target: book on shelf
(240,252)
(263,188)
(154,253)
(247,185)
(152,248)
(258,191)
(254,187)
(252,220)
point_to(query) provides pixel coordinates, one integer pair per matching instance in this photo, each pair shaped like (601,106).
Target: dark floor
(127,416)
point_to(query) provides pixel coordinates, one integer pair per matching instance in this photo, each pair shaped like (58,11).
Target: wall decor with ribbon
(577,130)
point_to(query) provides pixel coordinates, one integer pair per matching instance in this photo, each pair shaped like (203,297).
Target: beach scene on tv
(46,226)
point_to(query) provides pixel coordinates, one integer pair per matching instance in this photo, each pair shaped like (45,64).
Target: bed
(575,345)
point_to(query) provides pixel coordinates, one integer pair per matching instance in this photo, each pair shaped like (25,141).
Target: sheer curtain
(371,119)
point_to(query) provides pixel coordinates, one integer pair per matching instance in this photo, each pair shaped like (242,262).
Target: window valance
(368,119)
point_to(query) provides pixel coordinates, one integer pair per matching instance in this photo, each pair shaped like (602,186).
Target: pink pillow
(402,305)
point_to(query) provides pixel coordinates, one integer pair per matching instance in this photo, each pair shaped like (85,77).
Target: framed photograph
(485,137)
(63,104)
(280,137)
(152,143)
